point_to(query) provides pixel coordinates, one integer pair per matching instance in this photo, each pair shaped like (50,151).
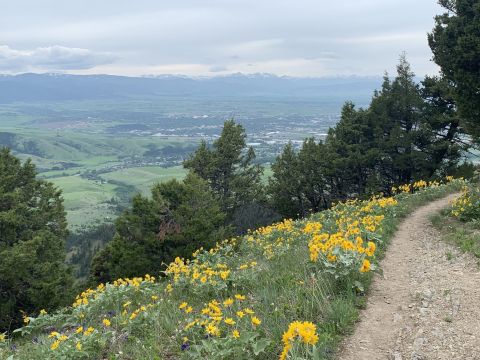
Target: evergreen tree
(284,185)
(33,275)
(396,112)
(455,43)
(407,133)
(300,183)
(229,169)
(353,154)
(179,218)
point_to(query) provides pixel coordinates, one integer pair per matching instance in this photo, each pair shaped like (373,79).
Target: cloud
(218,68)
(315,37)
(51,58)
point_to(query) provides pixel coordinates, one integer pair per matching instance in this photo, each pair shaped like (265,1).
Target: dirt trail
(427,303)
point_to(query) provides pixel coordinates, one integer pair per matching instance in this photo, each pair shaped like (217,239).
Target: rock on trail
(427,303)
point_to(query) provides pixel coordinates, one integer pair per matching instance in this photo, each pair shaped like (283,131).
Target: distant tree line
(408,132)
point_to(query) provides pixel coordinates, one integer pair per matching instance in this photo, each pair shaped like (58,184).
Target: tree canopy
(228,167)
(178,218)
(33,228)
(455,43)
(409,132)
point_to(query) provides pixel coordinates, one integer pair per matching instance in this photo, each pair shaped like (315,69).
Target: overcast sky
(212,37)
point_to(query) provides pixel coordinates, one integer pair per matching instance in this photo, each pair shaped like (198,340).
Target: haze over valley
(103,138)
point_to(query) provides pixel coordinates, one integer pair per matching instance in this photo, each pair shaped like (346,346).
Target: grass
(282,289)
(464,235)
(142,178)
(86,201)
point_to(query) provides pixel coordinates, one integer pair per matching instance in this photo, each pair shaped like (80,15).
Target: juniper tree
(228,167)
(455,43)
(178,218)
(33,228)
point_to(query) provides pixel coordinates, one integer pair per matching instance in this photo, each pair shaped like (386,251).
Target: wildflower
(53,334)
(212,329)
(106,322)
(305,331)
(224,274)
(183,305)
(370,249)
(3,336)
(127,304)
(240,314)
(188,310)
(256,321)
(235,334)
(89,331)
(55,344)
(78,346)
(240,297)
(229,321)
(249,311)
(154,297)
(365,266)
(79,330)
(228,302)
(189,325)
(43,312)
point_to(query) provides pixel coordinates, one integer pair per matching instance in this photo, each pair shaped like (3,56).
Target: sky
(305,38)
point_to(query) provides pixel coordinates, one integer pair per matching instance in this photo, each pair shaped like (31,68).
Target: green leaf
(359,286)
(260,345)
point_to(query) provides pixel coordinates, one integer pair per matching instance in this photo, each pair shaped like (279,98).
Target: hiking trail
(426,305)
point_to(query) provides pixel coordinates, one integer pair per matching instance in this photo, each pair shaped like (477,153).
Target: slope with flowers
(287,291)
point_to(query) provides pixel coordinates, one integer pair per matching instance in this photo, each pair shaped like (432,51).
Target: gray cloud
(218,68)
(293,37)
(51,58)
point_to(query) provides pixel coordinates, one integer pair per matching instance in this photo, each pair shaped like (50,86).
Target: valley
(101,152)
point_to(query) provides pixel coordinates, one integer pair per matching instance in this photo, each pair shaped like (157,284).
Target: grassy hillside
(290,290)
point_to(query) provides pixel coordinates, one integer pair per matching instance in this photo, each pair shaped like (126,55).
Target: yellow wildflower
(256,321)
(183,305)
(229,321)
(365,266)
(228,302)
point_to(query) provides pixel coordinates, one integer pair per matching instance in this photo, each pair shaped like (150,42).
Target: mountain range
(62,87)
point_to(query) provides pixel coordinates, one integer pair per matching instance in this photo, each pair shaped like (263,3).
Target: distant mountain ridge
(61,87)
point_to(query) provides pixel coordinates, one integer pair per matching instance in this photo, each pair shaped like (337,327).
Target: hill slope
(237,300)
